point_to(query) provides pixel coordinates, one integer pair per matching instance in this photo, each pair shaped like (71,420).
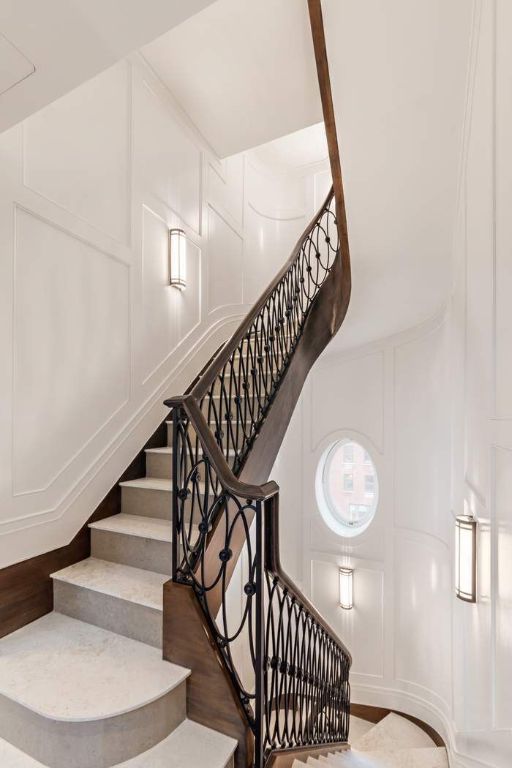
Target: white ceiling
(243,70)
(398,71)
(49,47)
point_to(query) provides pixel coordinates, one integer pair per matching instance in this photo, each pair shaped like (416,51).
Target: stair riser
(159,465)
(148,554)
(150,503)
(126,618)
(146,502)
(92,743)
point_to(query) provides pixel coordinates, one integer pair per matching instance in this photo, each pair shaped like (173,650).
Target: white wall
(91,336)
(434,407)
(391,397)
(481,322)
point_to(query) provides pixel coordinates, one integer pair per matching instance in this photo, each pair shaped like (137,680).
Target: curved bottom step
(186,747)
(73,695)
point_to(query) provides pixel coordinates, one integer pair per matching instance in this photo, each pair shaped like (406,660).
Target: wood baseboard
(26,590)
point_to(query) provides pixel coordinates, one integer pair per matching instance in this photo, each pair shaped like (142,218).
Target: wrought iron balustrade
(288,668)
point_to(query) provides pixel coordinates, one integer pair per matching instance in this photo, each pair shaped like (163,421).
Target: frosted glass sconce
(465,558)
(346,580)
(177,259)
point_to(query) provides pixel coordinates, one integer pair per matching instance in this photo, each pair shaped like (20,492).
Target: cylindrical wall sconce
(178,259)
(465,558)
(346,584)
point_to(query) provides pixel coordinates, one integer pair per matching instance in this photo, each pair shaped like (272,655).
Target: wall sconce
(178,259)
(346,579)
(465,558)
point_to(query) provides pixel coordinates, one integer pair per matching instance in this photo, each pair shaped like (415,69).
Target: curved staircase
(394,742)
(252,676)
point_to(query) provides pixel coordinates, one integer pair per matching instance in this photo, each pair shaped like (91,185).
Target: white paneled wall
(481,321)
(92,337)
(393,398)
(435,408)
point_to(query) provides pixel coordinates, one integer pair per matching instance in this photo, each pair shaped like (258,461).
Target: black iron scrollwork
(289,670)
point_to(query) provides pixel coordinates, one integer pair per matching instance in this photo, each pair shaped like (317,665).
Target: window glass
(347,495)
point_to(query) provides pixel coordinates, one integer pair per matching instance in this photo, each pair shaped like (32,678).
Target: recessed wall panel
(503,531)
(422,437)
(160,331)
(269,242)
(71,348)
(423,596)
(167,161)
(225,263)
(76,152)
(362,628)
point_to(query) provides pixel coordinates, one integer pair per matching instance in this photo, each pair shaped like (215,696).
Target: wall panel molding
(21,434)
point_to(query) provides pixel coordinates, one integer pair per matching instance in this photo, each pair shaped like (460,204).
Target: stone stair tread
(189,746)
(393,732)
(185,747)
(419,757)
(152,484)
(136,525)
(69,670)
(358,727)
(149,483)
(122,581)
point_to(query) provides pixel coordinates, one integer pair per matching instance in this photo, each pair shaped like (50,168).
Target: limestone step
(420,757)
(117,597)
(142,542)
(73,695)
(147,496)
(185,747)
(393,732)
(357,728)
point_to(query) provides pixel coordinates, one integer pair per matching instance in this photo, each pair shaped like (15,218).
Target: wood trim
(26,589)
(376,714)
(284,758)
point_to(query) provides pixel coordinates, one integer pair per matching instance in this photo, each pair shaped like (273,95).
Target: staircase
(251,677)
(394,742)
(86,686)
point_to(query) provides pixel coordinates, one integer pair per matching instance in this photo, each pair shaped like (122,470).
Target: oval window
(347,488)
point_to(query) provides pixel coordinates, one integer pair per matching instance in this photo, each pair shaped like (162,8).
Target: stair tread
(136,525)
(358,727)
(186,747)
(69,670)
(149,483)
(122,581)
(190,746)
(418,757)
(393,732)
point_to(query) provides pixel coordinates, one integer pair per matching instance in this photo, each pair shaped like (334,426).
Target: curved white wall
(393,397)
(435,407)
(91,336)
